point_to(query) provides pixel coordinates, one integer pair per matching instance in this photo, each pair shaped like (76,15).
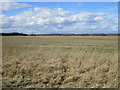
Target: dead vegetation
(60,62)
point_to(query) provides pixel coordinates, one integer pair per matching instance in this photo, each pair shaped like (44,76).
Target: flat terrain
(60,61)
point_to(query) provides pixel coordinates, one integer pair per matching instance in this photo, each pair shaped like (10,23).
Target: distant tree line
(13,34)
(22,34)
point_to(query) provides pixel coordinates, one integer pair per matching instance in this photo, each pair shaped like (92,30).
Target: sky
(59,17)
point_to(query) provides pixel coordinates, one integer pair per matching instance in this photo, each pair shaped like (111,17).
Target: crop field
(60,61)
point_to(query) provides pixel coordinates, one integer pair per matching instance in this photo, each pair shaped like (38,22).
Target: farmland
(60,61)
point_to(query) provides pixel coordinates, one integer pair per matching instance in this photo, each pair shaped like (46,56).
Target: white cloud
(7,0)
(12,5)
(46,20)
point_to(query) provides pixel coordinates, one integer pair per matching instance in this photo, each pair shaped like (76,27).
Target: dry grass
(62,62)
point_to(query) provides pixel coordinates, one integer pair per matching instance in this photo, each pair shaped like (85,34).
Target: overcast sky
(60,17)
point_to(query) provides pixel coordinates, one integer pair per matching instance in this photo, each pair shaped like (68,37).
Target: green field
(60,61)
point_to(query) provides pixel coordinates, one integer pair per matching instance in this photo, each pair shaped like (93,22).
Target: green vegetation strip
(66,49)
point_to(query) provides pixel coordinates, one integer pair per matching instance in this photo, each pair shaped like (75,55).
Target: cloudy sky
(59,17)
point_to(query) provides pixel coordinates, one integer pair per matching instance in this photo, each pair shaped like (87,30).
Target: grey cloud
(13,5)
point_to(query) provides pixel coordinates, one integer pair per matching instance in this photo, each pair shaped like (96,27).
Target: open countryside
(60,61)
